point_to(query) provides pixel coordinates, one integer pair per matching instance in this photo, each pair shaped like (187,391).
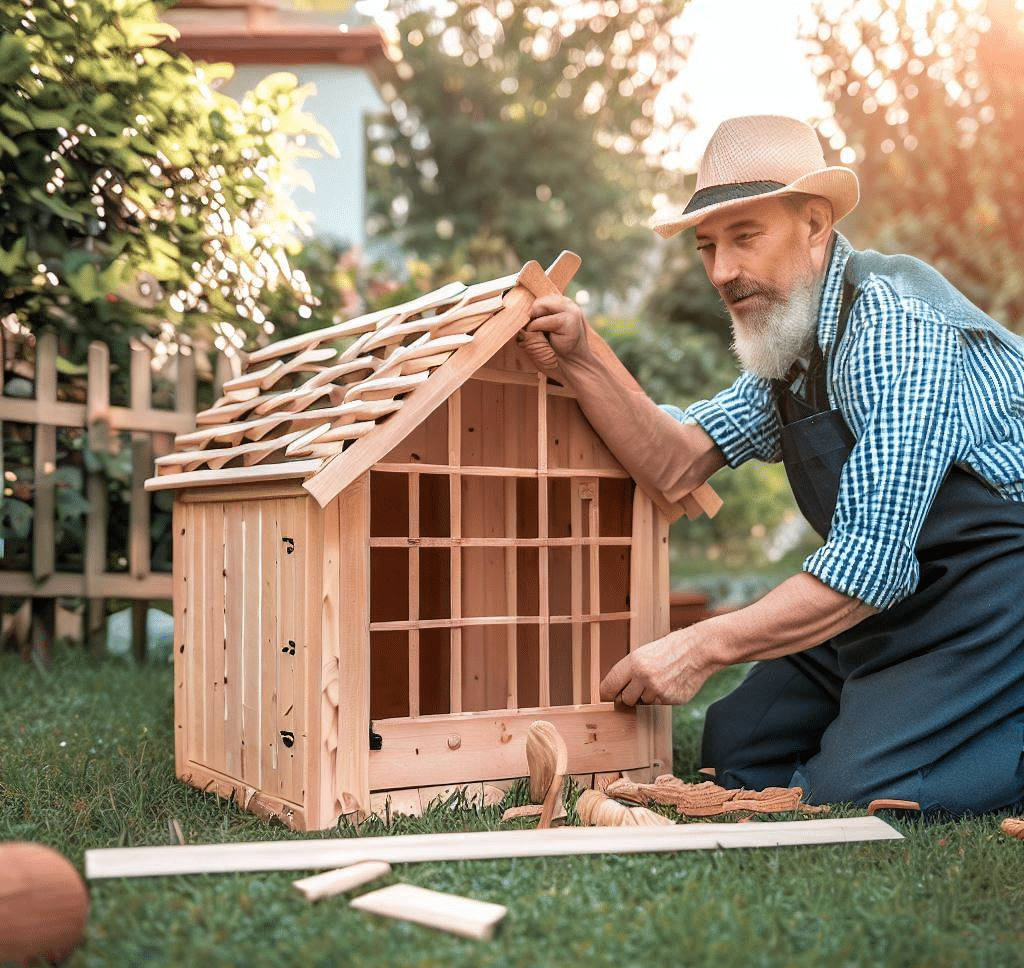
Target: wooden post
(544,600)
(138,511)
(353,644)
(414,594)
(455,493)
(97,407)
(44,464)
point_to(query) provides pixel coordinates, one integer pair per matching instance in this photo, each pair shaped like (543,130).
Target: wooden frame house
(397,544)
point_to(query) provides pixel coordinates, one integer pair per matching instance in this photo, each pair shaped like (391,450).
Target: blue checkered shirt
(922,390)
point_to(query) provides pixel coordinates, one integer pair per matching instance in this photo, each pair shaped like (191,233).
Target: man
(893,664)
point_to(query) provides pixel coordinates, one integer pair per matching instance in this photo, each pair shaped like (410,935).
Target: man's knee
(718,737)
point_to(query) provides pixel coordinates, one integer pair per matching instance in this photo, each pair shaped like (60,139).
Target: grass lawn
(87,761)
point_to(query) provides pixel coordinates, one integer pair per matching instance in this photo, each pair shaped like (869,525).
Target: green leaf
(15,58)
(14,258)
(70,504)
(104,102)
(67,368)
(16,518)
(15,116)
(84,283)
(47,120)
(55,205)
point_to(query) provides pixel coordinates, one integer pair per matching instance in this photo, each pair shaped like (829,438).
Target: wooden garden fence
(148,429)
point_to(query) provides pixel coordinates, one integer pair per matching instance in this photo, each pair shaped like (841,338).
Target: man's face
(757,255)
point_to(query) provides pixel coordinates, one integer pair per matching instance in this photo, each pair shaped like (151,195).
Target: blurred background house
(337,51)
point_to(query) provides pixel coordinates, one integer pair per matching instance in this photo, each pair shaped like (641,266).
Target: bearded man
(892,665)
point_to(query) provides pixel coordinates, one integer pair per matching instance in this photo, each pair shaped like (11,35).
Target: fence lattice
(149,430)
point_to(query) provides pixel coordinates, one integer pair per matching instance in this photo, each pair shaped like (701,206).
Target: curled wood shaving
(710,800)
(1014,826)
(595,809)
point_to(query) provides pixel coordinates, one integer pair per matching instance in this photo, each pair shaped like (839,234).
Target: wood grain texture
(331,883)
(423,848)
(446,912)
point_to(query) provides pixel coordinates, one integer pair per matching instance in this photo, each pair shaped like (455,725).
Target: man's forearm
(799,614)
(657,450)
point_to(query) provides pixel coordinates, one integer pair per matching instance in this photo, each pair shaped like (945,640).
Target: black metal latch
(376,740)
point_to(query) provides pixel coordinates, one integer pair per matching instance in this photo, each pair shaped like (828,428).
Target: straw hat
(760,156)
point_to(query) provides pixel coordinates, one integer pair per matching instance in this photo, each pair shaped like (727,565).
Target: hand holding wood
(668,671)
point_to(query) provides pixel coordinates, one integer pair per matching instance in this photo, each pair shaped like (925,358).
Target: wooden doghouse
(397,544)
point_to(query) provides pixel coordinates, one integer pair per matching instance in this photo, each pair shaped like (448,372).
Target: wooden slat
(511,596)
(250,550)
(184,606)
(476,621)
(97,406)
(235,629)
(463,916)
(340,881)
(325,683)
(289,681)
(64,414)
(593,529)
(414,595)
(216,630)
(353,755)
(492,745)
(311,776)
(543,577)
(142,465)
(476,845)
(44,460)
(271,640)
(217,457)
(455,567)
(396,467)
(406,542)
(198,643)
(234,475)
(576,594)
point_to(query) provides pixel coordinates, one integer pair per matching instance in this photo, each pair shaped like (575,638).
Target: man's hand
(669,670)
(564,324)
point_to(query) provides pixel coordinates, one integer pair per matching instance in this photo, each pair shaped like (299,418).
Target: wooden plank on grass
(446,912)
(481,845)
(344,879)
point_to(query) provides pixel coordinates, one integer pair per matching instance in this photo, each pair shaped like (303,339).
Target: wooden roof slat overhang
(332,394)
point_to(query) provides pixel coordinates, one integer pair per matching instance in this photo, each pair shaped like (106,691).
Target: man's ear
(818,215)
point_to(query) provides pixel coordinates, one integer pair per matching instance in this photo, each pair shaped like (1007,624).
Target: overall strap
(812,397)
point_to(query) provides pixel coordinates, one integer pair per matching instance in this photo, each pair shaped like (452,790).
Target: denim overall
(923,701)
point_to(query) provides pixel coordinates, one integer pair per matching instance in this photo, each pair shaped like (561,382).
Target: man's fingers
(616,680)
(549,305)
(546,324)
(632,693)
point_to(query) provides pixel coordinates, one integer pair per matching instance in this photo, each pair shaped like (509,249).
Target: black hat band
(714,194)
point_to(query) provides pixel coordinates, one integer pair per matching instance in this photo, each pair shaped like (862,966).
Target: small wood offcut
(397,545)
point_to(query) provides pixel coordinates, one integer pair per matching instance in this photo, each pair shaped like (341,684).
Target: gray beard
(768,342)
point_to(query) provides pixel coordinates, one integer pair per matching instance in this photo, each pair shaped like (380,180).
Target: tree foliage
(132,194)
(929,108)
(517,130)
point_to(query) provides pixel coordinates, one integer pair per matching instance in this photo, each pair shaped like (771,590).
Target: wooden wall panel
(353,753)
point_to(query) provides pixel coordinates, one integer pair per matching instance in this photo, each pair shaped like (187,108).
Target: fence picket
(151,431)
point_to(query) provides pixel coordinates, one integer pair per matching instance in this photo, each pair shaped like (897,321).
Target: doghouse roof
(324,406)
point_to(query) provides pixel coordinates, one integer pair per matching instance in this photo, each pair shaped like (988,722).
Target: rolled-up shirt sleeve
(742,420)
(896,379)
